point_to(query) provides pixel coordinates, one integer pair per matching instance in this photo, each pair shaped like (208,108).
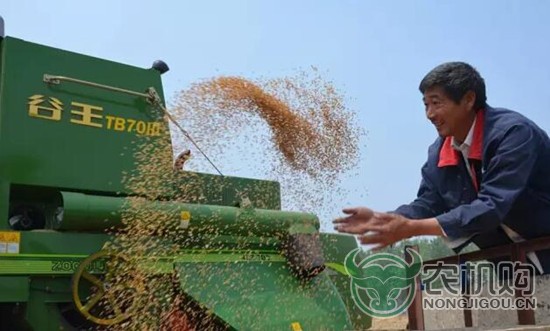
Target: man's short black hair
(456,79)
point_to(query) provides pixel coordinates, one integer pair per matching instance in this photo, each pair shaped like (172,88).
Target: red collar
(448,156)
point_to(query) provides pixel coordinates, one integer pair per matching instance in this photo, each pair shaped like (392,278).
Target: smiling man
(486,180)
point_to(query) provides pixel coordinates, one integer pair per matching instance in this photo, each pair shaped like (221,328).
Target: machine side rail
(52,79)
(516,251)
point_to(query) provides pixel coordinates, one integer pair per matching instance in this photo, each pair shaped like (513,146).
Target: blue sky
(376,52)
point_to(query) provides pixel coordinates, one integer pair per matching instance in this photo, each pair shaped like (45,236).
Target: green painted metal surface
(227,190)
(66,135)
(335,248)
(65,243)
(64,264)
(14,289)
(264,296)
(91,213)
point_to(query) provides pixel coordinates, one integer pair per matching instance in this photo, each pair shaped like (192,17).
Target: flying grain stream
(295,130)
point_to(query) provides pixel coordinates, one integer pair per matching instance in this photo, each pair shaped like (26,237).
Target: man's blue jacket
(511,158)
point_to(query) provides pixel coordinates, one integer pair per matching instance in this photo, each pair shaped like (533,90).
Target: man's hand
(356,222)
(387,229)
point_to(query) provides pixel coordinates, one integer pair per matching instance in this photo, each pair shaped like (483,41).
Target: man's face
(448,117)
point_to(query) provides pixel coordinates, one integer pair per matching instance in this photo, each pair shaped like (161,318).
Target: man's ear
(469,99)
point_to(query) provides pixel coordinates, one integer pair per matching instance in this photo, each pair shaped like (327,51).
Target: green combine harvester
(71,126)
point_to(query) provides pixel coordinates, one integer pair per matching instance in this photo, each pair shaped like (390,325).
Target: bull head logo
(387,280)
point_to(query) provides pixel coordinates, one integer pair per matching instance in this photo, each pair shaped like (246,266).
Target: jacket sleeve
(428,202)
(506,176)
